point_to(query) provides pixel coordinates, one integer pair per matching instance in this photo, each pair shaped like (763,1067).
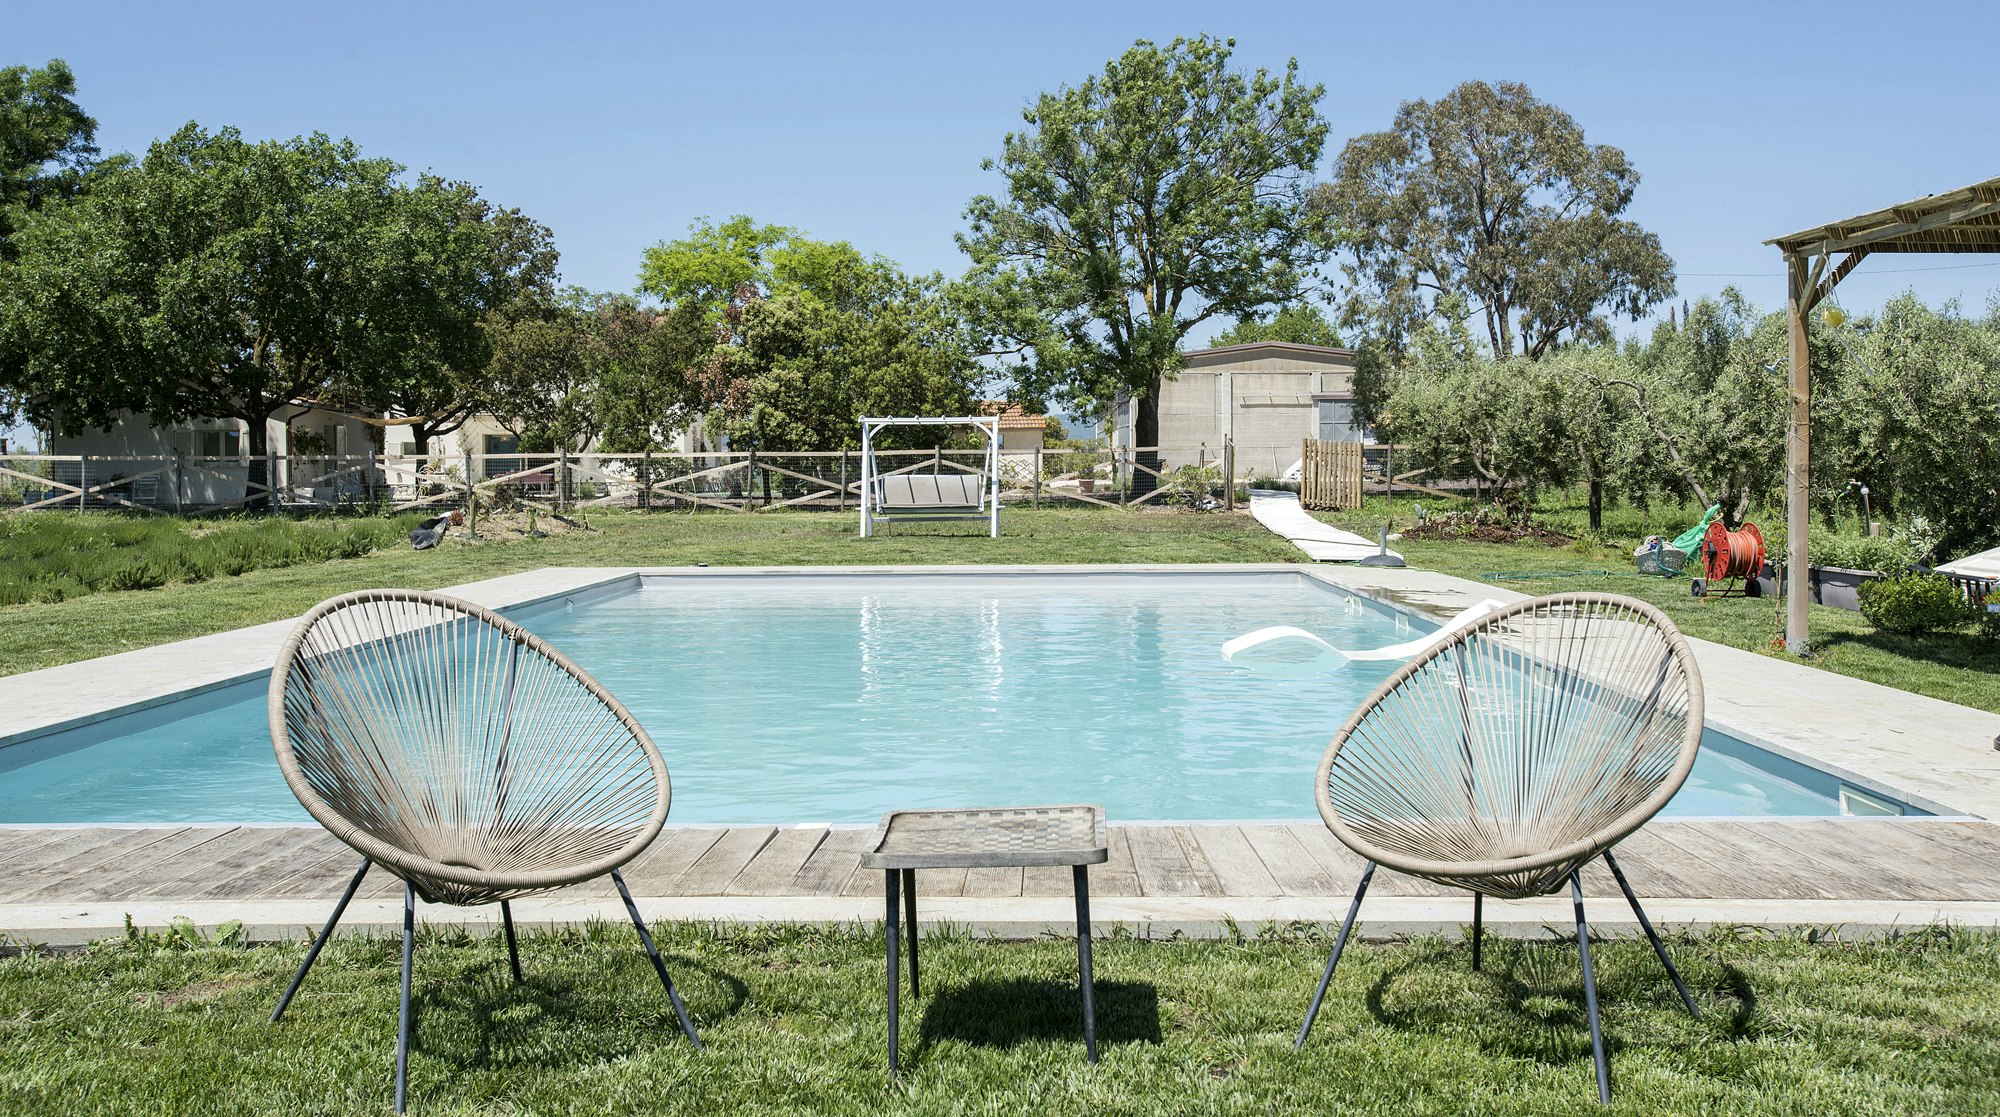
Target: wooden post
(1228,474)
(749,483)
(646,478)
(562,479)
(82,478)
(270,478)
(1038,477)
(468,482)
(841,498)
(1797,458)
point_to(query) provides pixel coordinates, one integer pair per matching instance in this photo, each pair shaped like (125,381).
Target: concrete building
(1269,396)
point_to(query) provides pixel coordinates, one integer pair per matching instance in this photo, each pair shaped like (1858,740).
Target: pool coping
(1931,754)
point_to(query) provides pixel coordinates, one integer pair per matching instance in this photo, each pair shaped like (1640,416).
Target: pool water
(835,698)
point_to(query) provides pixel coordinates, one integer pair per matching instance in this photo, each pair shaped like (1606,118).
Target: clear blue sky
(618,124)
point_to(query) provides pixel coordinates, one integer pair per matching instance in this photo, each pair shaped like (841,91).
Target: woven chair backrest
(1521,747)
(458,749)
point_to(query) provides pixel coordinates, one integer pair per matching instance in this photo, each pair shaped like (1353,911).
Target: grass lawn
(793,1020)
(1955,666)
(42,635)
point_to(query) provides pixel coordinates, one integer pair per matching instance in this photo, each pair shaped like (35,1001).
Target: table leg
(889,926)
(1083,962)
(910,917)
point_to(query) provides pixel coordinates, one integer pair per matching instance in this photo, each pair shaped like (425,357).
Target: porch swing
(907,494)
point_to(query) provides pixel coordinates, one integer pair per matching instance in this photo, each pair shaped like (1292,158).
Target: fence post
(646,479)
(1117,472)
(1228,474)
(468,479)
(750,483)
(841,498)
(368,479)
(1038,476)
(562,480)
(82,478)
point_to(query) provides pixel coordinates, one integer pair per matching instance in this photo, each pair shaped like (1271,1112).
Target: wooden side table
(990,837)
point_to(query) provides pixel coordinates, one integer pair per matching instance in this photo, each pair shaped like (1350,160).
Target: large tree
(1166,191)
(444,265)
(1493,196)
(47,141)
(216,277)
(1299,323)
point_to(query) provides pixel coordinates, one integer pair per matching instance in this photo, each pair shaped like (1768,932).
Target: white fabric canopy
(1985,564)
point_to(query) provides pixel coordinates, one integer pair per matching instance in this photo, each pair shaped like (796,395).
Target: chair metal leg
(1339,944)
(1659,948)
(1478,914)
(1082,879)
(910,917)
(403,1022)
(513,951)
(312,954)
(892,878)
(1590,993)
(659,967)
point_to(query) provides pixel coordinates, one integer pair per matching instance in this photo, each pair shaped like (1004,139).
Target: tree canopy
(47,141)
(1167,190)
(1298,323)
(1495,197)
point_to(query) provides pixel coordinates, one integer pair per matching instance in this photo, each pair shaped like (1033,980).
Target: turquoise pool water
(833,699)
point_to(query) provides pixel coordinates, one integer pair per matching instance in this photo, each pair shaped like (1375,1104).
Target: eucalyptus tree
(1493,196)
(1166,191)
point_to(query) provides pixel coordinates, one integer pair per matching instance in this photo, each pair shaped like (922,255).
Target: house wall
(1265,396)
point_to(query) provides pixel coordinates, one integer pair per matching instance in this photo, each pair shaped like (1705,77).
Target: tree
(542,384)
(46,141)
(1298,323)
(713,264)
(442,266)
(216,277)
(1493,196)
(1164,192)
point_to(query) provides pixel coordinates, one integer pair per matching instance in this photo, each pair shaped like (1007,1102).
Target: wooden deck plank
(833,865)
(1161,862)
(105,877)
(1294,871)
(1001,882)
(178,874)
(715,868)
(1850,863)
(940,882)
(1728,871)
(1948,865)
(325,876)
(670,856)
(1048,880)
(1650,861)
(117,879)
(1238,869)
(75,852)
(770,872)
(246,872)
(1117,876)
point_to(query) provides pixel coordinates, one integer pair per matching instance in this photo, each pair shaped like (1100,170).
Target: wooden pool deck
(61,883)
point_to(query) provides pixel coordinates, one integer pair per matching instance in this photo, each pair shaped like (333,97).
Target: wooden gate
(1330,476)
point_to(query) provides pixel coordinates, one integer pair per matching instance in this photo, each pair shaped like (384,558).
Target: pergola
(1962,220)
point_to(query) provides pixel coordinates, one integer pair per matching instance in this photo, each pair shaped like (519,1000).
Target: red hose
(1732,554)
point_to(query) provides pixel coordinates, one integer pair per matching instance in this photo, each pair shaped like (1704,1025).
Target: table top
(986,837)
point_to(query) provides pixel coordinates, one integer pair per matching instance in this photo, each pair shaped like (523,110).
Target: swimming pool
(834,697)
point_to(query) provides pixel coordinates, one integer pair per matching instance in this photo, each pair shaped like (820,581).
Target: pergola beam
(1962,220)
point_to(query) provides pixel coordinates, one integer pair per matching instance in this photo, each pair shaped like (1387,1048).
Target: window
(496,463)
(218,444)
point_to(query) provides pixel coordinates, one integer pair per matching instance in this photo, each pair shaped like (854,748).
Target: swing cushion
(912,492)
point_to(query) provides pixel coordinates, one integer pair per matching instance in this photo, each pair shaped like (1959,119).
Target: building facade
(1266,396)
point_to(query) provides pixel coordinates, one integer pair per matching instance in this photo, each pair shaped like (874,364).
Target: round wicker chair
(1512,754)
(464,755)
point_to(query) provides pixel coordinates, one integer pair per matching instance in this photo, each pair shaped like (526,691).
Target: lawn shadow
(554,1017)
(993,1013)
(1963,650)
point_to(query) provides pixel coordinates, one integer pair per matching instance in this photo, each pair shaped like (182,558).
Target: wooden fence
(734,481)
(1330,474)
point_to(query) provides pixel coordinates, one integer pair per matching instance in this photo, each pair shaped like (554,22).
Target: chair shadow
(1005,1013)
(1539,998)
(547,1020)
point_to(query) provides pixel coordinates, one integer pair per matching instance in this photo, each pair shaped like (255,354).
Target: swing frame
(872,509)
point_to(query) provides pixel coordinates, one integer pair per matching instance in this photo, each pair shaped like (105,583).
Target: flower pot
(1839,586)
(1086,484)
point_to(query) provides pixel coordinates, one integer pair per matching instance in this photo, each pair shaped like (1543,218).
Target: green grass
(53,557)
(45,634)
(793,1020)
(1954,666)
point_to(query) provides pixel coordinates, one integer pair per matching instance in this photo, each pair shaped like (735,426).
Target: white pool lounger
(1252,651)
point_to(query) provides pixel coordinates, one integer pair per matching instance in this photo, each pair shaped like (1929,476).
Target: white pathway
(1322,542)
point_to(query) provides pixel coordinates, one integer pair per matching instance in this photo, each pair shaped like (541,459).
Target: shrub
(1858,552)
(1989,617)
(1913,604)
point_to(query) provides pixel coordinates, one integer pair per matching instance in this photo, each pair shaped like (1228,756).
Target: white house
(1268,396)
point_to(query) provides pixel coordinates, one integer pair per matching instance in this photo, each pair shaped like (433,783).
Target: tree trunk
(257,472)
(1596,504)
(1146,432)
